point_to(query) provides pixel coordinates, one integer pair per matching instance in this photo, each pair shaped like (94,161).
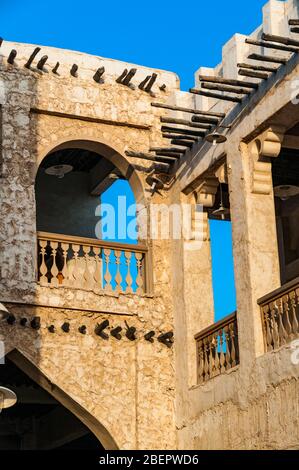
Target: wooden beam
(258,68)
(32,57)
(180,137)
(280,39)
(1,41)
(147,156)
(266,58)
(162,87)
(190,110)
(74,70)
(144,82)
(41,62)
(183,143)
(12,56)
(98,75)
(151,82)
(184,122)
(169,149)
(55,68)
(215,95)
(295,30)
(177,130)
(170,154)
(122,76)
(253,74)
(294,22)
(227,81)
(272,46)
(227,88)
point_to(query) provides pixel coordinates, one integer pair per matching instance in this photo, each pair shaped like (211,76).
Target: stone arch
(90,141)
(36,374)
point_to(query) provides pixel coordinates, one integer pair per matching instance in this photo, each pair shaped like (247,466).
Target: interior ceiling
(285,168)
(81,160)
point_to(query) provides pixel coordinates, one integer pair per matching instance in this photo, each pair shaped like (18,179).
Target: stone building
(89,335)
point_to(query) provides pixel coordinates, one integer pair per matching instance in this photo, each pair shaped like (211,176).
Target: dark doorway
(38,421)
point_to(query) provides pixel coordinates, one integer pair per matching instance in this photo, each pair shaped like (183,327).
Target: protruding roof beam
(266,58)
(41,62)
(177,130)
(1,41)
(180,137)
(258,68)
(294,22)
(253,74)
(32,57)
(55,68)
(227,81)
(270,45)
(147,156)
(183,143)
(184,122)
(216,96)
(12,56)
(190,110)
(280,39)
(74,70)
(227,88)
(125,78)
(169,149)
(98,75)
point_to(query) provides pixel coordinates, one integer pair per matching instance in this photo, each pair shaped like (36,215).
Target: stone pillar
(255,245)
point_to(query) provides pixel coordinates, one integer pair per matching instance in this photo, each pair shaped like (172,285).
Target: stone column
(255,245)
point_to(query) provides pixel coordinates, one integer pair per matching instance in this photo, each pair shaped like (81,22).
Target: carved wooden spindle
(267,327)
(206,359)
(227,342)
(65,270)
(281,329)
(233,342)
(76,279)
(107,277)
(274,323)
(217,359)
(54,268)
(98,273)
(87,276)
(294,320)
(200,355)
(286,316)
(129,280)
(222,354)
(139,278)
(118,277)
(43,267)
(211,341)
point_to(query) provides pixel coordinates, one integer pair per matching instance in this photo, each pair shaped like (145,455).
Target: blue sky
(170,34)
(173,35)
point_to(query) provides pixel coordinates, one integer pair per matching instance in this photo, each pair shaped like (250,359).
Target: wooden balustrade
(217,349)
(280,315)
(96,265)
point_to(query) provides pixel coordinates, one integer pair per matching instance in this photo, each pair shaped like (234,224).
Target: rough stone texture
(141,394)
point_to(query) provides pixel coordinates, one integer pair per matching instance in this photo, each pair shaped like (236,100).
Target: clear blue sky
(173,35)
(168,34)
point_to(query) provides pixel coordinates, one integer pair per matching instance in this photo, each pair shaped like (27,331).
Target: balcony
(280,316)
(217,349)
(91,264)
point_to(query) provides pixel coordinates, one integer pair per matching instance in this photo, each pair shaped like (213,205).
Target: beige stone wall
(127,387)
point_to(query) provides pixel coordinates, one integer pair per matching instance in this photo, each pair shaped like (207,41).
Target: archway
(44,416)
(69,183)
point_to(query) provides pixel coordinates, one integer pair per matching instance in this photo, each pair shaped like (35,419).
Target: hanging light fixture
(154,182)
(215,138)
(8,398)
(59,170)
(285,192)
(222,211)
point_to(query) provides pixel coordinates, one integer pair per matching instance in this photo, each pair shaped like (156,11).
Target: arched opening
(71,182)
(44,417)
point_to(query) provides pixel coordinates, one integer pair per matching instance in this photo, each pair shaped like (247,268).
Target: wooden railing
(83,263)
(217,349)
(280,315)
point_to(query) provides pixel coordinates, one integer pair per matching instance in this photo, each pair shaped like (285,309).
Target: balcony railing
(83,263)
(217,349)
(280,315)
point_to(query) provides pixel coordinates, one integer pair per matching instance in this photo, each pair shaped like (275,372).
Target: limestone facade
(138,394)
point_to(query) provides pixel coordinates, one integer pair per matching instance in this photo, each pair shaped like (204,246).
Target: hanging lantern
(222,211)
